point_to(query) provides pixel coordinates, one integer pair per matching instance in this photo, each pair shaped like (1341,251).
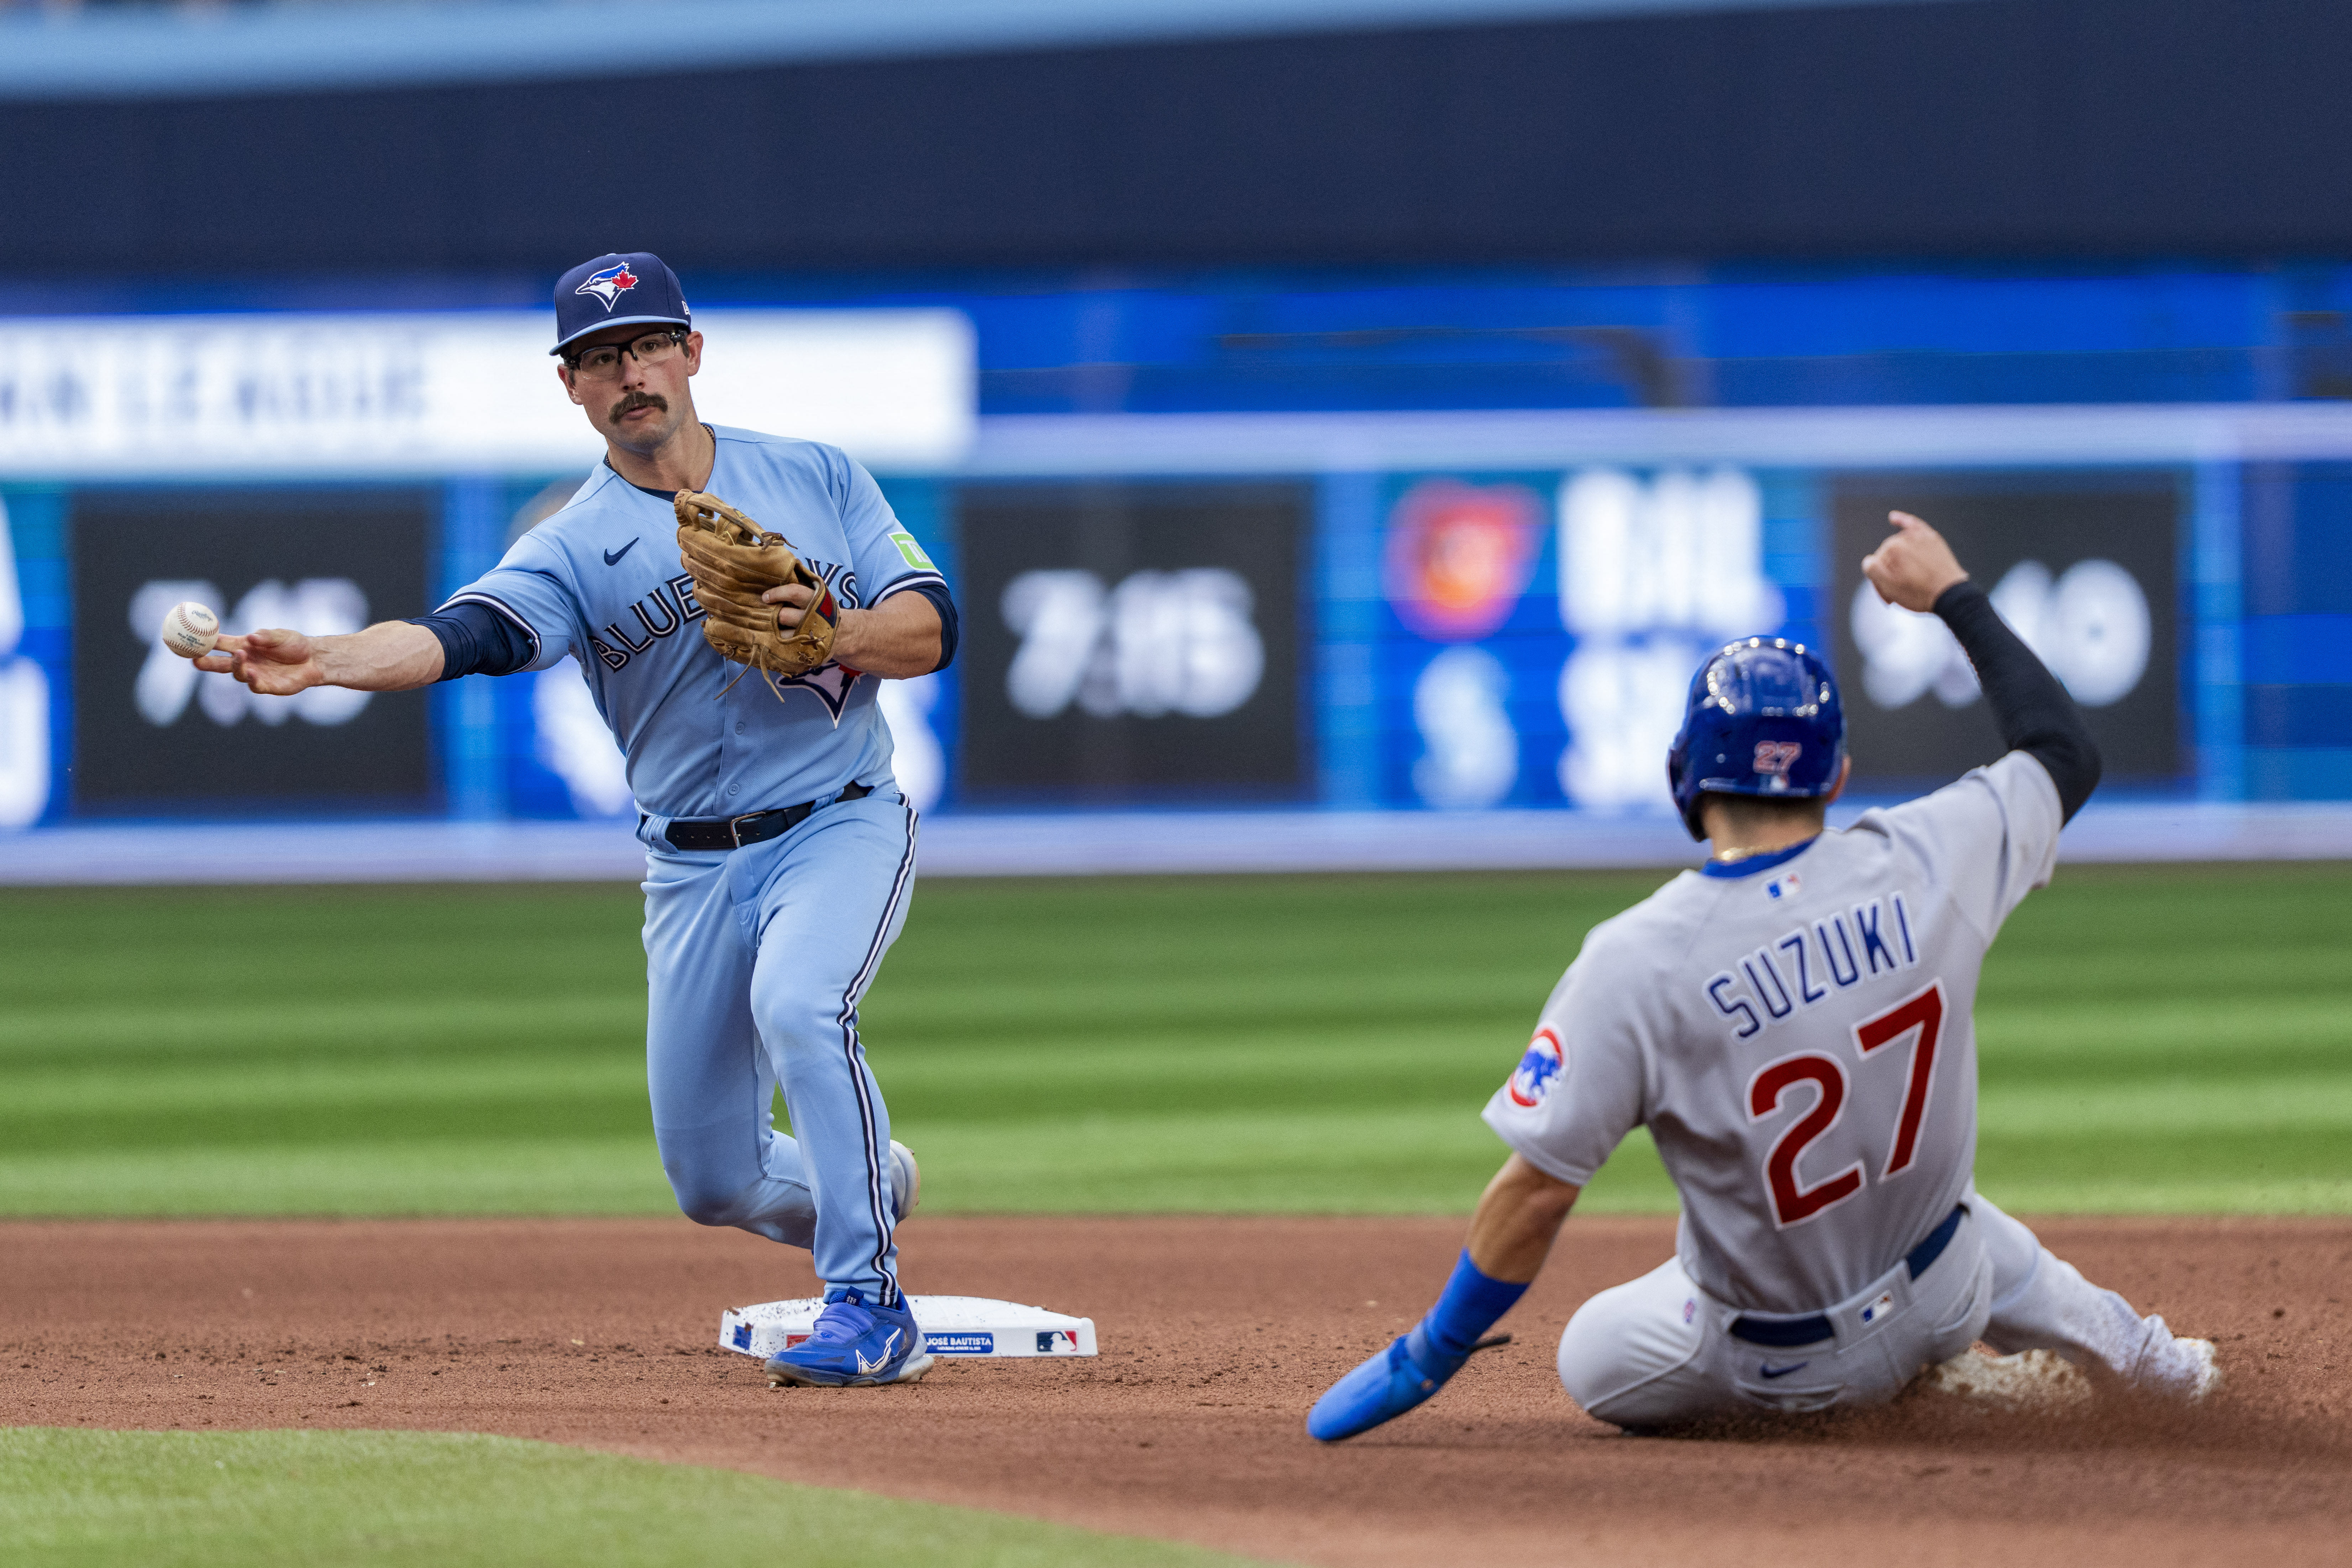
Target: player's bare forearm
(391,656)
(1518,1218)
(897,638)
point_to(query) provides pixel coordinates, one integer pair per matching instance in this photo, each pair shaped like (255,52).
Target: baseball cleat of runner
(2202,1378)
(854,1346)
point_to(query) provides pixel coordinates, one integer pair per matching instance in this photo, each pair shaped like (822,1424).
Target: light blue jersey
(601,582)
(756,957)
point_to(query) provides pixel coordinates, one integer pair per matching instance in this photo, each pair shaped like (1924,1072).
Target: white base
(951,1325)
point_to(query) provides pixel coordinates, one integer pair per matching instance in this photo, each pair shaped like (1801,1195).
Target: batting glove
(1389,1384)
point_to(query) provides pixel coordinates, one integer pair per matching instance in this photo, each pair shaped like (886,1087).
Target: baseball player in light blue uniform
(780,853)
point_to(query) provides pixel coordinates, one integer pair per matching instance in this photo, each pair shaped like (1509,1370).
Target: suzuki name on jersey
(1815,962)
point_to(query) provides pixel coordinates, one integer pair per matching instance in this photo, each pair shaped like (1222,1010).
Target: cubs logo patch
(610,284)
(1538,1070)
(1775,758)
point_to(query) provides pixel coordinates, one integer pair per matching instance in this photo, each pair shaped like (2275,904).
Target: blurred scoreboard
(2084,568)
(152,736)
(1457,641)
(1129,642)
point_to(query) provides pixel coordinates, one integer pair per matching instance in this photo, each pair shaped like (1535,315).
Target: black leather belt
(1787,1333)
(752,827)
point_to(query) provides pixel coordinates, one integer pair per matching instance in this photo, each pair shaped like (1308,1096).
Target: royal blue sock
(1471,1305)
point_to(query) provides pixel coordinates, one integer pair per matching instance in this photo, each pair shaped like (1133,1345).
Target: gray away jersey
(601,582)
(1795,1032)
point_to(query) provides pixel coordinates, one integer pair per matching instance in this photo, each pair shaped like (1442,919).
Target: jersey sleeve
(888,558)
(1990,837)
(531,592)
(1581,1084)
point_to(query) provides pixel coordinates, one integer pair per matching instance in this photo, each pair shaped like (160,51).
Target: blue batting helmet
(1762,719)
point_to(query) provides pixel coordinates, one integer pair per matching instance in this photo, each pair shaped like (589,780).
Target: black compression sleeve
(2032,709)
(476,640)
(937,593)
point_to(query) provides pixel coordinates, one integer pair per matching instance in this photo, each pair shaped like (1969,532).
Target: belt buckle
(735,828)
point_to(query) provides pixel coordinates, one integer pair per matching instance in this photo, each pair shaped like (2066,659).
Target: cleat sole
(910,1370)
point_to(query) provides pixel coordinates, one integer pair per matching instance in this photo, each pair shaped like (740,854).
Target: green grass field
(2176,1039)
(257,1499)
(2152,1040)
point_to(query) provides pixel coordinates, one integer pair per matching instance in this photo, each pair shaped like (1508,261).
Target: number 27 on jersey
(1919,1019)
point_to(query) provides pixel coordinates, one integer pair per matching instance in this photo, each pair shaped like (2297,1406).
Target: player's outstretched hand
(1389,1384)
(1382,1389)
(274,663)
(1913,568)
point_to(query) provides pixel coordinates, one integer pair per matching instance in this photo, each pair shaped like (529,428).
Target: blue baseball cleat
(1385,1387)
(854,1346)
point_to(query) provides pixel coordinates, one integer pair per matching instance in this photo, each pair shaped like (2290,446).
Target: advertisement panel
(153,735)
(430,393)
(1131,642)
(1540,629)
(2083,567)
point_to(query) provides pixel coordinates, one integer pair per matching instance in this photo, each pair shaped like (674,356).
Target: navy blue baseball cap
(616,291)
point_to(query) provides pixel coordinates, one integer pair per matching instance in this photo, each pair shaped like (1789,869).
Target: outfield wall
(1233,605)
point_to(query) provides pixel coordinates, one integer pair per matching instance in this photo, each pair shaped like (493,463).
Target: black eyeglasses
(602,362)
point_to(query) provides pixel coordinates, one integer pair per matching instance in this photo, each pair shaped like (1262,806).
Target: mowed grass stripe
(1228,1044)
(257,1500)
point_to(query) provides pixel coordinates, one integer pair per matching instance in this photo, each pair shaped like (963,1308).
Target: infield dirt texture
(1218,1334)
(1295,1064)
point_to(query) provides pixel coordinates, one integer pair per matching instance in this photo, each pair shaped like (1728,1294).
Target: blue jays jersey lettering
(600,581)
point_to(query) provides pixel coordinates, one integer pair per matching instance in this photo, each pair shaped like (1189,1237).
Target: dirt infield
(1216,1335)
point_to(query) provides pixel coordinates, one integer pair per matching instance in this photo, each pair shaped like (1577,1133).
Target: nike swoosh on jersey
(1771,1371)
(613,557)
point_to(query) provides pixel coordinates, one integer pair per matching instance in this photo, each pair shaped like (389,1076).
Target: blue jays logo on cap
(610,284)
(617,289)
(1538,1070)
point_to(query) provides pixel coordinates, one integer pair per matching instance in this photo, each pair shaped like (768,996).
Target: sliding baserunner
(1792,1023)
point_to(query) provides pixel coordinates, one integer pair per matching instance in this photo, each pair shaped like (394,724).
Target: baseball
(189,629)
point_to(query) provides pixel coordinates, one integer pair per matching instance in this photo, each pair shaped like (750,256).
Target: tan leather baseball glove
(733,561)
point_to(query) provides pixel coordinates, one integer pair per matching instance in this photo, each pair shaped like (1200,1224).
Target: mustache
(639,400)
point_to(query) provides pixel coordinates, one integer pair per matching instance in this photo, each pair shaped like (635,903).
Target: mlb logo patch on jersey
(1538,1070)
(1780,889)
(610,284)
(1878,1308)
